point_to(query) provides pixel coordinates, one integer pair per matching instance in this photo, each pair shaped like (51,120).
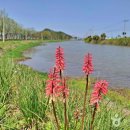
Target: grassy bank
(117,41)
(23,104)
(15,49)
(113,41)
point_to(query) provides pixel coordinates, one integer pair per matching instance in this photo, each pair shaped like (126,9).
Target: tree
(88,39)
(124,34)
(3,17)
(96,38)
(103,36)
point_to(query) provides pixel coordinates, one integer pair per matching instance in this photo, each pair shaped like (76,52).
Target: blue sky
(76,17)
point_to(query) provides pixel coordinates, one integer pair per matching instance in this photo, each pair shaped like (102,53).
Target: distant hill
(48,34)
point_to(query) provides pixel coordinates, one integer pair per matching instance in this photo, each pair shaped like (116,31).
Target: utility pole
(125,21)
(124,33)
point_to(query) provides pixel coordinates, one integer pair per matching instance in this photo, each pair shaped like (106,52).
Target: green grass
(20,95)
(121,96)
(14,49)
(23,104)
(117,41)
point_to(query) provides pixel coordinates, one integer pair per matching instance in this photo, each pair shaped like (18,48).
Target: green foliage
(124,41)
(121,96)
(103,36)
(93,39)
(20,94)
(7,72)
(117,41)
(32,102)
(88,39)
(96,38)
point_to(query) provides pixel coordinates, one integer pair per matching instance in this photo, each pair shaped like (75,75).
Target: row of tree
(11,30)
(95,38)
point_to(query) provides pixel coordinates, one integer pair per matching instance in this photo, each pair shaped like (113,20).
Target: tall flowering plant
(100,88)
(52,90)
(60,64)
(87,69)
(56,84)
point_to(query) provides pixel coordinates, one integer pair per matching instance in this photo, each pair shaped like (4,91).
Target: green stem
(66,125)
(84,106)
(65,114)
(54,112)
(93,117)
(75,124)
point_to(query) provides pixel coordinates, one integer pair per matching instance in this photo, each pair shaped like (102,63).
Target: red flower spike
(88,66)
(60,58)
(101,87)
(52,84)
(55,87)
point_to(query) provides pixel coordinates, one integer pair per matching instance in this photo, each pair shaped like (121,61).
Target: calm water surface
(110,62)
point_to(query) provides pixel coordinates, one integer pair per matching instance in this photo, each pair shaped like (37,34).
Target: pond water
(110,62)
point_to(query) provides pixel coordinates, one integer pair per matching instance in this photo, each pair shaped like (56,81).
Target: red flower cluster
(88,66)
(52,86)
(60,58)
(101,87)
(56,86)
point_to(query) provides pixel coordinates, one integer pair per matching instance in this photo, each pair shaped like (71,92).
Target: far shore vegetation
(103,40)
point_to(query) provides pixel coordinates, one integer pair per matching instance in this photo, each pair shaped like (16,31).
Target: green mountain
(48,34)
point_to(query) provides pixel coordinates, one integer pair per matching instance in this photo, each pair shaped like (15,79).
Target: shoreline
(16,52)
(112,42)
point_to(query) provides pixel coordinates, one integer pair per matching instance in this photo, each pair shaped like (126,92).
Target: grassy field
(24,105)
